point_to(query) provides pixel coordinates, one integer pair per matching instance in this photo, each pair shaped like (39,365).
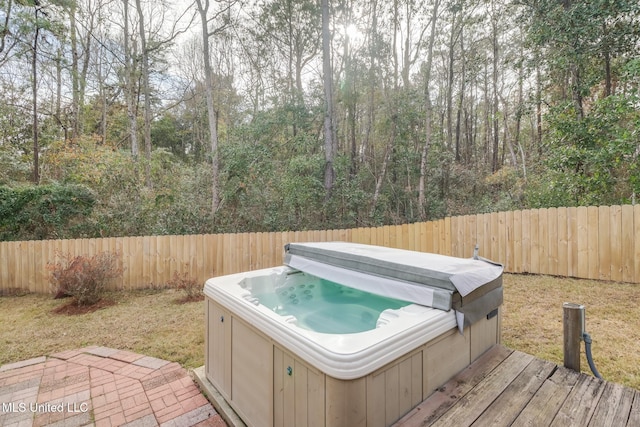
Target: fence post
(573,325)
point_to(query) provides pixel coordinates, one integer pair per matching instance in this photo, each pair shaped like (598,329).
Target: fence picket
(588,242)
(626,246)
(593,246)
(516,266)
(495,235)
(583,268)
(615,242)
(604,244)
(534,233)
(553,239)
(508,241)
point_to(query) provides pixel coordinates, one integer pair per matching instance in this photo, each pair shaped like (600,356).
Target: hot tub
(293,345)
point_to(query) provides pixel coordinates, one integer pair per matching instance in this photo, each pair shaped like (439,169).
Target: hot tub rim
(312,347)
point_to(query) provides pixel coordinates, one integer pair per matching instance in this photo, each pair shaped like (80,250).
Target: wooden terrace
(510,388)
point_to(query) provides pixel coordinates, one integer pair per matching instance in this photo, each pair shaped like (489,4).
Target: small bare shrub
(84,278)
(190,286)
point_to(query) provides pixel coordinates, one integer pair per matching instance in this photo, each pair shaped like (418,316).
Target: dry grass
(153,323)
(532,322)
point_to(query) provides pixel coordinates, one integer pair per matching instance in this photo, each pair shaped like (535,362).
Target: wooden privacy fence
(587,242)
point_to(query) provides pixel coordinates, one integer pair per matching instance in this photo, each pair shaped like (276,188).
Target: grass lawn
(153,323)
(532,322)
(156,324)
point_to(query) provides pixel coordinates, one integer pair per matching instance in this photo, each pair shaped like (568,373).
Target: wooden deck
(506,387)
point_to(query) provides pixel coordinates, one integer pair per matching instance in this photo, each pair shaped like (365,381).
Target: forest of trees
(134,117)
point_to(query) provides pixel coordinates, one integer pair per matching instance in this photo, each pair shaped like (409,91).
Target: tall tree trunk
(372,86)
(460,98)
(4,31)
(538,135)
(103,98)
(394,112)
(496,104)
(211,112)
(292,96)
(330,147)
(34,92)
(406,50)
(450,81)
(82,79)
(147,95)
(75,95)
(350,104)
(394,44)
(422,200)
(519,115)
(58,108)
(576,95)
(487,118)
(129,76)
(383,168)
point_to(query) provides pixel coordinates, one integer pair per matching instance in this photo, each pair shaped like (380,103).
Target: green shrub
(84,278)
(38,212)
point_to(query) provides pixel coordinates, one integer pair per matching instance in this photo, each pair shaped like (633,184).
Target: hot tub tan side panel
(380,398)
(218,347)
(384,396)
(298,391)
(270,386)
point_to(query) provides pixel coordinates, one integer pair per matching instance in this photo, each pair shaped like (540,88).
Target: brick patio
(103,387)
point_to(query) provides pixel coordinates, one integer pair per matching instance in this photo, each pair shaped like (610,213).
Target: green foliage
(592,161)
(169,133)
(13,167)
(84,278)
(576,38)
(631,75)
(270,107)
(44,212)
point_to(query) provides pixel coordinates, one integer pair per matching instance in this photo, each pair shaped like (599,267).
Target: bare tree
(495,50)
(422,200)
(221,20)
(394,110)
(130,80)
(144,27)
(371,86)
(5,47)
(34,89)
(146,91)
(330,146)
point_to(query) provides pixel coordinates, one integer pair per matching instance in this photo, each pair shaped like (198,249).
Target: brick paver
(101,386)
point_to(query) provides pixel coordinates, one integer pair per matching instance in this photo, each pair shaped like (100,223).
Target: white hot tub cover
(472,287)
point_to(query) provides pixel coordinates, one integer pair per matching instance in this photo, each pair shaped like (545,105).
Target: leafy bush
(43,211)
(190,286)
(84,278)
(591,160)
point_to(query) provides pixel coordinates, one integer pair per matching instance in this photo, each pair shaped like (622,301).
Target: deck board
(614,406)
(634,416)
(581,403)
(448,395)
(506,387)
(544,405)
(517,395)
(474,403)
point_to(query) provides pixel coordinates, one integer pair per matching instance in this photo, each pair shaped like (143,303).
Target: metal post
(573,324)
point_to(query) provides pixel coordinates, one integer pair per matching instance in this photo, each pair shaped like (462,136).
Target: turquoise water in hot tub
(328,307)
